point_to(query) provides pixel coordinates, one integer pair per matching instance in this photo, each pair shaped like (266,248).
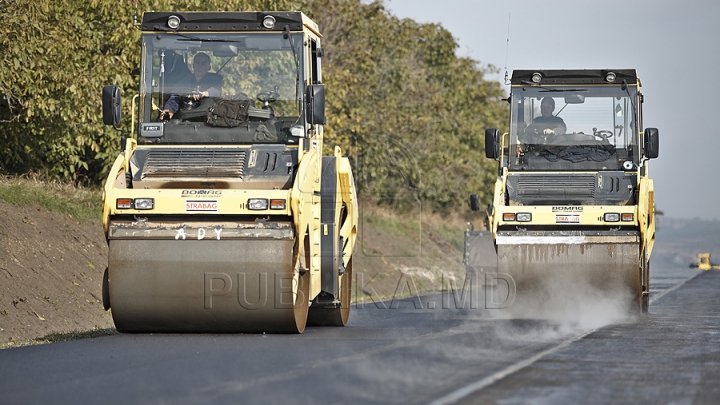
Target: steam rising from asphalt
(570,304)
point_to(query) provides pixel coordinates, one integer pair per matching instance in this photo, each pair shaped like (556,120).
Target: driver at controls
(200,84)
(547,123)
(543,128)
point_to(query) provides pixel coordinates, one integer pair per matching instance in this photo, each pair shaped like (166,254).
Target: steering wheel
(603,134)
(267,97)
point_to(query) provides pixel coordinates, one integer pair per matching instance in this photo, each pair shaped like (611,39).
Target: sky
(674,46)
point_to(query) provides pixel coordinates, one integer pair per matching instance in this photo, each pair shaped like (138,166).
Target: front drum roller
(235,285)
(551,274)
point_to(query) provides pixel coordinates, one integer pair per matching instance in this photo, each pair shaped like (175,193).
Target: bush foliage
(409,112)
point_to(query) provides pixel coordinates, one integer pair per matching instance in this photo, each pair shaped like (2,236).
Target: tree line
(409,112)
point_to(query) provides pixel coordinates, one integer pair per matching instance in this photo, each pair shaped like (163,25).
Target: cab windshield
(573,128)
(221,88)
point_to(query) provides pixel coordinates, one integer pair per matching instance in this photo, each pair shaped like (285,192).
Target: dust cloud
(553,307)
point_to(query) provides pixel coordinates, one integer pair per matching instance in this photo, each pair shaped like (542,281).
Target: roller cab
(221,213)
(573,203)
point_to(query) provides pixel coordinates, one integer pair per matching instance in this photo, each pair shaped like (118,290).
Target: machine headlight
(612,217)
(610,77)
(536,77)
(524,217)
(258,204)
(138,203)
(268,22)
(144,203)
(173,22)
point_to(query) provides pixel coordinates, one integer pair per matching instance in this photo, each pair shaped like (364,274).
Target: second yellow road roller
(573,209)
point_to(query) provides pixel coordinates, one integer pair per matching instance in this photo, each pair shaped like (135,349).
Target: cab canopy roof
(588,76)
(201,21)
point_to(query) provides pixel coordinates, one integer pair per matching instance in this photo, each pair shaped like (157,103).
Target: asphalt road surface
(437,354)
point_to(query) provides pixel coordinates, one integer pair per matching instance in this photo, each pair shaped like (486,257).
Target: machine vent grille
(195,163)
(553,186)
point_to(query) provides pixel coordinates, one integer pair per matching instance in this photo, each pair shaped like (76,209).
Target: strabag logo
(201,193)
(201,205)
(567,219)
(567,209)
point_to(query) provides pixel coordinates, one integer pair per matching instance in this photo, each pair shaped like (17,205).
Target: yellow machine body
(704,263)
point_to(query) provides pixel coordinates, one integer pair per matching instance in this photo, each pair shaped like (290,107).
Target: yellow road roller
(704,263)
(573,210)
(221,214)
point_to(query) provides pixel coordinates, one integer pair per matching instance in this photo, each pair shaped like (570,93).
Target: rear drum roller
(320,315)
(105,292)
(645,303)
(332,306)
(301,304)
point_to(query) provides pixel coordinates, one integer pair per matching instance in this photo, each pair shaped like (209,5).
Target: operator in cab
(547,123)
(199,85)
(544,127)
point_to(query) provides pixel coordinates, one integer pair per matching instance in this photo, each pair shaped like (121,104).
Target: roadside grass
(420,248)
(414,225)
(81,203)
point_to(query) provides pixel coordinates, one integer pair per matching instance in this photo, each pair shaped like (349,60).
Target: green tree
(400,102)
(54,56)
(406,106)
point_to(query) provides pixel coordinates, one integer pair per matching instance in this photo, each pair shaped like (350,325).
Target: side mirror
(652,143)
(492,143)
(474,202)
(315,104)
(111,105)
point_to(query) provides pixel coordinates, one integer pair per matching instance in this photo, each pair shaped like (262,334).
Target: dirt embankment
(51,268)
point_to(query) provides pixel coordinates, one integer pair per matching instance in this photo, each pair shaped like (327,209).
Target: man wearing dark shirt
(543,128)
(547,123)
(199,85)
